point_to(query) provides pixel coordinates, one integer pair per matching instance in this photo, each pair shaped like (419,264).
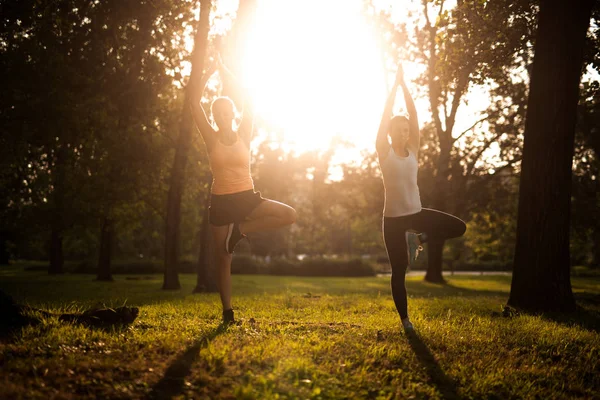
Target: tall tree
(468,46)
(134,83)
(186,130)
(541,275)
(88,83)
(45,109)
(206,276)
(585,206)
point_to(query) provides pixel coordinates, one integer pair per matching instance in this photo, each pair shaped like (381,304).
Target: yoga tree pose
(236,209)
(406,224)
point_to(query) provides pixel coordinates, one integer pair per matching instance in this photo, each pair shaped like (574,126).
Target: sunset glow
(314,71)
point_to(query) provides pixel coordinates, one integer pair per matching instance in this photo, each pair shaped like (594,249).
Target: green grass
(305,338)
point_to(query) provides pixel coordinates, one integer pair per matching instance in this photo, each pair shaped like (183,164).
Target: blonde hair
(224,101)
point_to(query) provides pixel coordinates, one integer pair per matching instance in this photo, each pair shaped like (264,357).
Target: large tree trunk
(173,220)
(596,249)
(171,278)
(106,246)
(4,254)
(57,224)
(541,276)
(56,251)
(435,247)
(435,250)
(206,280)
(440,190)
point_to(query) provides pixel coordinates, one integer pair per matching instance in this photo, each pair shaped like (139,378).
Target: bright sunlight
(314,70)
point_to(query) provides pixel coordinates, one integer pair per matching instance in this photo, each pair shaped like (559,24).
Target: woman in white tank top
(406,224)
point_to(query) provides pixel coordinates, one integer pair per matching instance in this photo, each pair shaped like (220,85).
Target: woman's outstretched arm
(247,123)
(206,130)
(413,121)
(382,145)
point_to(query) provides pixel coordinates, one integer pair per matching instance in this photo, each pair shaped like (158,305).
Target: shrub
(247,265)
(241,264)
(322,267)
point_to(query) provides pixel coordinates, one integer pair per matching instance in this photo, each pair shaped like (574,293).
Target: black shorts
(235,207)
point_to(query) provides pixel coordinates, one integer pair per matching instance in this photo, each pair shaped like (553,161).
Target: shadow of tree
(425,289)
(173,382)
(415,288)
(586,316)
(586,319)
(442,382)
(44,290)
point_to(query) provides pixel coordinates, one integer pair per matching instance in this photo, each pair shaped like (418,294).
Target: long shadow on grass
(444,384)
(172,383)
(587,315)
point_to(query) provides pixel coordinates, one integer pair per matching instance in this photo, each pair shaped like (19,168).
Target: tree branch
(461,85)
(484,179)
(471,127)
(433,86)
(482,150)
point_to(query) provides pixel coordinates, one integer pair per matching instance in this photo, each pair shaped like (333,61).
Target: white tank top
(400,182)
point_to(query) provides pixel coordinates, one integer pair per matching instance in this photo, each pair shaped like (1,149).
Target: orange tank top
(230,166)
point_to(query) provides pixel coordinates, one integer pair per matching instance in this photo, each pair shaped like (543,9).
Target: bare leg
(223,263)
(268,215)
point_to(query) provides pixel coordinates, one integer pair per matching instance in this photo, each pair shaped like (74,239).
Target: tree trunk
(596,249)
(435,247)
(206,280)
(4,254)
(106,246)
(435,250)
(541,276)
(173,220)
(56,252)
(171,278)
(57,223)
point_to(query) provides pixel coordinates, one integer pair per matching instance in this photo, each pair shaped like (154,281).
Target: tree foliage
(94,95)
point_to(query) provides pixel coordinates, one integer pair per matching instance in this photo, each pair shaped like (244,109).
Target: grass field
(300,338)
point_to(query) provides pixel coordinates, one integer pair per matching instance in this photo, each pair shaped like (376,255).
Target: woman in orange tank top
(235,208)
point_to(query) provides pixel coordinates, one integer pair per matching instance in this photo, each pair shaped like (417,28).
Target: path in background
(450,273)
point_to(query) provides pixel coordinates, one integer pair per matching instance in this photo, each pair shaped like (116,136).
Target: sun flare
(314,71)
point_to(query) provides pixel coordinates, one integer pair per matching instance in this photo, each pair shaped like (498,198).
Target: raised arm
(247,123)
(413,121)
(382,144)
(206,130)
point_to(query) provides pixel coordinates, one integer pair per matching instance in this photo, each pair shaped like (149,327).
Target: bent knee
(458,232)
(290,215)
